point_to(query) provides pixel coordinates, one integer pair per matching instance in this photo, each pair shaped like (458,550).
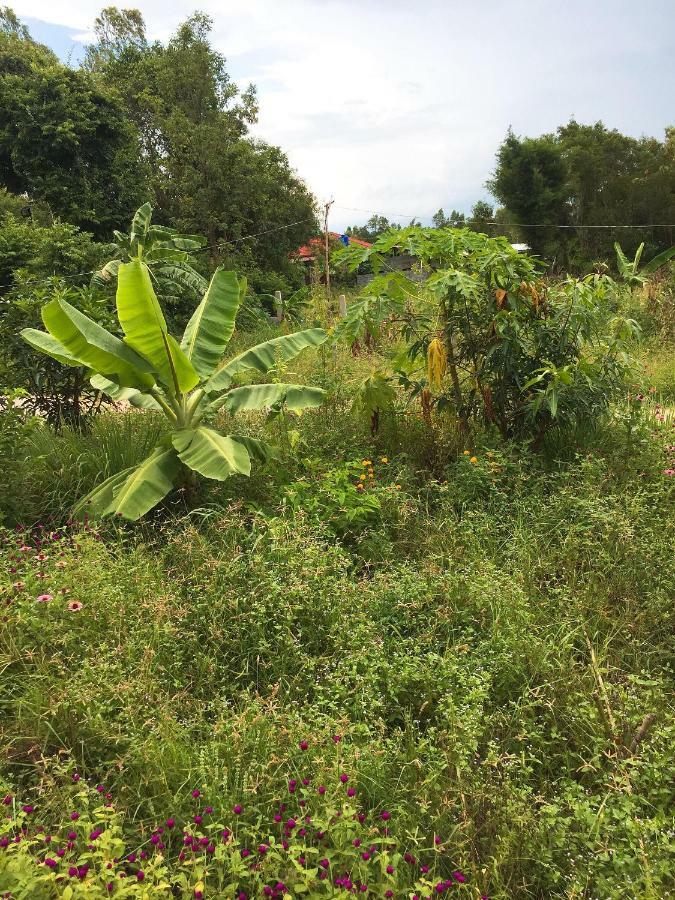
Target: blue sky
(399,108)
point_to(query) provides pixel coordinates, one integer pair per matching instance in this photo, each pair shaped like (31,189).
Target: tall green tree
(588,175)
(531,181)
(208,175)
(64,137)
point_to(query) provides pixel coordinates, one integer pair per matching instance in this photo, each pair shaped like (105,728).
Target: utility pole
(326,251)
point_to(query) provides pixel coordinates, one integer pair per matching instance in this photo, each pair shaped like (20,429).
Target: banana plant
(631,271)
(164,250)
(189,381)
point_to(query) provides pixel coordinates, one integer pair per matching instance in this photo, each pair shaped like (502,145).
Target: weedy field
(457,677)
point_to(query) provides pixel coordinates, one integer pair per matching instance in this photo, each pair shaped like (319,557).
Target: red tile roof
(309,250)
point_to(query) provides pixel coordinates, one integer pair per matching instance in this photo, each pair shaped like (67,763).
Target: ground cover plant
(390,662)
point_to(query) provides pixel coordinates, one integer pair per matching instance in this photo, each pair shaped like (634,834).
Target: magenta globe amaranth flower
(237,809)
(196,793)
(344,778)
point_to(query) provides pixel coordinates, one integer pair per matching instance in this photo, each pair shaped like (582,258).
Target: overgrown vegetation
(413,632)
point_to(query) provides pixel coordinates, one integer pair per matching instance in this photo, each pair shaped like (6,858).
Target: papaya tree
(189,381)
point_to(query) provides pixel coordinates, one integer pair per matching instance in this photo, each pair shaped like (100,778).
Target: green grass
(487,639)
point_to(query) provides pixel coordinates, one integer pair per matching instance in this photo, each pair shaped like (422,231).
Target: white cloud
(397,107)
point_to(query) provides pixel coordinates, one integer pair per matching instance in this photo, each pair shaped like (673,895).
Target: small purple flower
(351,792)
(262,849)
(344,778)
(337,738)
(390,870)
(72,871)
(7,800)
(72,835)
(197,820)
(385,815)
(140,874)
(154,839)
(76,778)
(245,853)
(170,823)
(52,863)
(96,833)
(459,877)
(321,789)
(291,823)
(28,808)
(74,816)
(196,793)
(324,863)
(208,810)
(237,809)
(292,784)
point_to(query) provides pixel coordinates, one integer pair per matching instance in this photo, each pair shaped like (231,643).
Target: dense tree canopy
(144,120)
(207,174)
(63,139)
(588,175)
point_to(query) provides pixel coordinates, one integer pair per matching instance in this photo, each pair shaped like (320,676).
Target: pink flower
(44,598)
(19,585)
(669,472)
(74,606)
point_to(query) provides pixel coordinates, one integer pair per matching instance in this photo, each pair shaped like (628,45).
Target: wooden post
(342,306)
(326,251)
(279,305)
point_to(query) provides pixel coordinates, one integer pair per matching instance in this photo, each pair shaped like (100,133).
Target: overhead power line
(504,224)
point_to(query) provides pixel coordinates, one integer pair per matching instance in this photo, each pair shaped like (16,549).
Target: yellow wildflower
(384,459)
(362,477)
(466,453)
(366,462)
(398,487)
(473,460)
